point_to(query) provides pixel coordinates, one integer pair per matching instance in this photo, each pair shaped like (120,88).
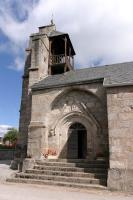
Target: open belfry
(76,125)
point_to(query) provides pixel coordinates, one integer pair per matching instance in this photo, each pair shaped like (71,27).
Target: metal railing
(61,59)
(57,59)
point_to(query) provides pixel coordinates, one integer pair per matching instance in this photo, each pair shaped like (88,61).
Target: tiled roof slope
(113,75)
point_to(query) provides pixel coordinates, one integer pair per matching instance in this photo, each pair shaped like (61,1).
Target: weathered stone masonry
(50,107)
(120,121)
(55,98)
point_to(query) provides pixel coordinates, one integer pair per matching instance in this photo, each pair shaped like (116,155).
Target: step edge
(53,176)
(75,172)
(60,182)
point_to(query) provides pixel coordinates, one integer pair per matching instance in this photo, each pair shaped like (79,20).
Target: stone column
(35,140)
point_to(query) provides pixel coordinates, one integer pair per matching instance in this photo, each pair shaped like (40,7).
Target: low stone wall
(7,154)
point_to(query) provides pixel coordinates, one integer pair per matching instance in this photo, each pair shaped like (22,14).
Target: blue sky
(101,32)
(10,87)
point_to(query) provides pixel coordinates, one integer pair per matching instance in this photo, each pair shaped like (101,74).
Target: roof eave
(65,34)
(35,88)
(117,85)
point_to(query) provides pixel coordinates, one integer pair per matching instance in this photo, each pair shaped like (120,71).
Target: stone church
(68,114)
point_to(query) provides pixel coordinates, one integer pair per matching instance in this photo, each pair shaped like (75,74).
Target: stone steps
(56,183)
(82,165)
(78,174)
(84,180)
(71,161)
(68,174)
(70,169)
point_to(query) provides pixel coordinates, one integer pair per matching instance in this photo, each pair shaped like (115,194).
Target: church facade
(76,114)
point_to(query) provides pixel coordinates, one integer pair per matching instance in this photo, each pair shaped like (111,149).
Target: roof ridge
(106,65)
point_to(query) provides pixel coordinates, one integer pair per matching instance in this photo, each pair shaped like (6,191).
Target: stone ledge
(33,68)
(36,124)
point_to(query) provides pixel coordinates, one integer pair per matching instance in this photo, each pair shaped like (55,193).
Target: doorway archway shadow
(77,141)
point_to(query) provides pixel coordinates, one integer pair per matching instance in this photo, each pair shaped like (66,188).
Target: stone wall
(39,46)
(36,68)
(6,154)
(39,58)
(24,113)
(56,109)
(120,122)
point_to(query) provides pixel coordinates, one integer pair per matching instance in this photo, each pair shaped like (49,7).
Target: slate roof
(112,75)
(55,33)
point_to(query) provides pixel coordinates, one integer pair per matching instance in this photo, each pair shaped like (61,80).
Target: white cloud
(101,30)
(18,64)
(4,129)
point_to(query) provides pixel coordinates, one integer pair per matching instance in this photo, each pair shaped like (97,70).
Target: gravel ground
(5,170)
(19,191)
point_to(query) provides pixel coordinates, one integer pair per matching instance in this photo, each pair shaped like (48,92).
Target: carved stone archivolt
(75,107)
(73,99)
(71,104)
(51,132)
(63,124)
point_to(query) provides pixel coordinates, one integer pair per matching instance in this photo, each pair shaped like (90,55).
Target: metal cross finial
(52,21)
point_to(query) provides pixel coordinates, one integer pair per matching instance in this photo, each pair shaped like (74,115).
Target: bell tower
(39,49)
(49,52)
(61,53)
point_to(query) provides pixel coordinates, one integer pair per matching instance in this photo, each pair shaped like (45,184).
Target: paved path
(34,192)
(5,170)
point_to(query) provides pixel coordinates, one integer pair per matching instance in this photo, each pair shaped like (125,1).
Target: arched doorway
(77,141)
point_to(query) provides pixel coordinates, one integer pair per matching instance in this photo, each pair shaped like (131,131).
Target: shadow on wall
(90,106)
(76,144)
